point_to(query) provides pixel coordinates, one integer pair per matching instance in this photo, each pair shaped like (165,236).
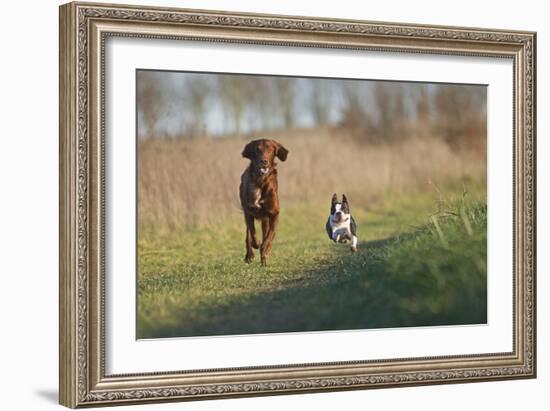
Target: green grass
(421,261)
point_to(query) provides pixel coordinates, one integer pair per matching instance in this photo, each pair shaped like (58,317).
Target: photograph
(275,204)
(260,203)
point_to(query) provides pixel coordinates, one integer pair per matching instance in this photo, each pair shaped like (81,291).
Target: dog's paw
(248,258)
(263,261)
(353,249)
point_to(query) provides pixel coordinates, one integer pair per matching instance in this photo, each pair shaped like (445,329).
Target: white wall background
(29,189)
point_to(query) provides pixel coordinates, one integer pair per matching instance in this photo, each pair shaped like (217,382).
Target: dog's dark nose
(263,162)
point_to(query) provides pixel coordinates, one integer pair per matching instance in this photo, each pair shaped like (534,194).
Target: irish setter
(259,194)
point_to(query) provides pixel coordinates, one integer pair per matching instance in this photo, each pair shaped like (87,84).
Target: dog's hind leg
(251,241)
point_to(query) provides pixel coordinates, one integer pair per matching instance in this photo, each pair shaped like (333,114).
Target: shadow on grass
(383,285)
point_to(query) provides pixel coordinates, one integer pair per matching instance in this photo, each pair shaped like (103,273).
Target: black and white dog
(340,225)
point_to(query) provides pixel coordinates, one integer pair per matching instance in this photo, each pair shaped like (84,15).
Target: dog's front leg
(269,226)
(251,241)
(353,243)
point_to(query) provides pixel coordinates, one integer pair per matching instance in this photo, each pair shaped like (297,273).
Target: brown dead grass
(195,182)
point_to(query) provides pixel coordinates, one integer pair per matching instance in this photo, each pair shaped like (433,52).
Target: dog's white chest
(255,196)
(338,225)
(341,231)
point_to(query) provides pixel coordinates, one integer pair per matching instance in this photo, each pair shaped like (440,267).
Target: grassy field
(421,261)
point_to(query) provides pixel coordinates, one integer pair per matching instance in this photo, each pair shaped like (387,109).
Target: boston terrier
(340,225)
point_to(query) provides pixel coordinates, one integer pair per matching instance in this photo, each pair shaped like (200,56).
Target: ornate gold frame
(83,30)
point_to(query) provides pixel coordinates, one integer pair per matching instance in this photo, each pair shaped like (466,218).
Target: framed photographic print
(259,204)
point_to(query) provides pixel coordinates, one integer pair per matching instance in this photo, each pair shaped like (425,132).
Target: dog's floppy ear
(334,199)
(248,151)
(280,151)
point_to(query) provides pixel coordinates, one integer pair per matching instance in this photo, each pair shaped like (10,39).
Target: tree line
(198,105)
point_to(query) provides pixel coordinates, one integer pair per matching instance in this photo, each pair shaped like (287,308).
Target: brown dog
(259,194)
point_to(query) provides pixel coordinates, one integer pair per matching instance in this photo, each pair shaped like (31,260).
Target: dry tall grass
(195,182)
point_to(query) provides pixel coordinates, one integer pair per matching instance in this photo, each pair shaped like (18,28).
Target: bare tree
(234,96)
(382,98)
(320,101)
(398,104)
(460,113)
(285,97)
(355,113)
(197,93)
(261,105)
(422,105)
(151,100)
(390,105)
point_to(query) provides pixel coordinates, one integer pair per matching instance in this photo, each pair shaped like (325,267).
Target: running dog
(341,226)
(259,194)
